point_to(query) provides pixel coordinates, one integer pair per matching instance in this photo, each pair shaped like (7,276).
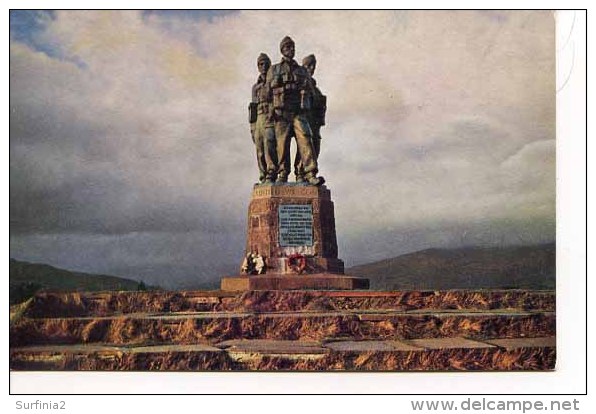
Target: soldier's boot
(314,180)
(281,179)
(269,179)
(299,172)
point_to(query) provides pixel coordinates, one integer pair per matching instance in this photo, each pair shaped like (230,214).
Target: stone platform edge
(435,354)
(317,281)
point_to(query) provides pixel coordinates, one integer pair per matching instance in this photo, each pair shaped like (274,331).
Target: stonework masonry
(265,227)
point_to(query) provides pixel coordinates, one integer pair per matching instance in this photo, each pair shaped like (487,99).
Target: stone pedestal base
(313,265)
(318,281)
(293,219)
(292,224)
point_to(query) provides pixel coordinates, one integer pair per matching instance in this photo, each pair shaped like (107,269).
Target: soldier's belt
(289,113)
(292,107)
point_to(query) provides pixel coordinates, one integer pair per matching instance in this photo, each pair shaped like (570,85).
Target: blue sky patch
(26,26)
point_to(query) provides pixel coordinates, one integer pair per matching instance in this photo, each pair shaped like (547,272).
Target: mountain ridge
(514,267)
(472,267)
(26,278)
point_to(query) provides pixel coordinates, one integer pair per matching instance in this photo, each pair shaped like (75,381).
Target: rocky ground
(286,330)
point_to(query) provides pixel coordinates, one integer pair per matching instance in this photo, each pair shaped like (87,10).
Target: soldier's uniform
(316,119)
(291,89)
(262,130)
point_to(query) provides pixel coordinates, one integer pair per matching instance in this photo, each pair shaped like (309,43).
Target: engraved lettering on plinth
(279,191)
(295,225)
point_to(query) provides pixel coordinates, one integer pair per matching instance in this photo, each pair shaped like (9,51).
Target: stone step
(199,327)
(311,281)
(46,305)
(439,354)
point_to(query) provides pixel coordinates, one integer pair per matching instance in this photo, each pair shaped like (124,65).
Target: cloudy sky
(130,152)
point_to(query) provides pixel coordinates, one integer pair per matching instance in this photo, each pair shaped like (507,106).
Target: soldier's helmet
(263,58)
(308,60)
(286,40)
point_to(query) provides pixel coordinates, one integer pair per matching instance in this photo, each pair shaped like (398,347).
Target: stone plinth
(289,219)
(320,281)
(292,226)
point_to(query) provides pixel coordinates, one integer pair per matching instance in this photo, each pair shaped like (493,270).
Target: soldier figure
(316,116)
(292,91)
(261,124)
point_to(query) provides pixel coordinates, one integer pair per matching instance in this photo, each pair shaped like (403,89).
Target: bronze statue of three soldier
(286,103)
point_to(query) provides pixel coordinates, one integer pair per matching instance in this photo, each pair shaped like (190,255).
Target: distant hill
(28,278)
(520,267)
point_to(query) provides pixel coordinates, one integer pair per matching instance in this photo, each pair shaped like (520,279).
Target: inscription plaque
(295,225)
